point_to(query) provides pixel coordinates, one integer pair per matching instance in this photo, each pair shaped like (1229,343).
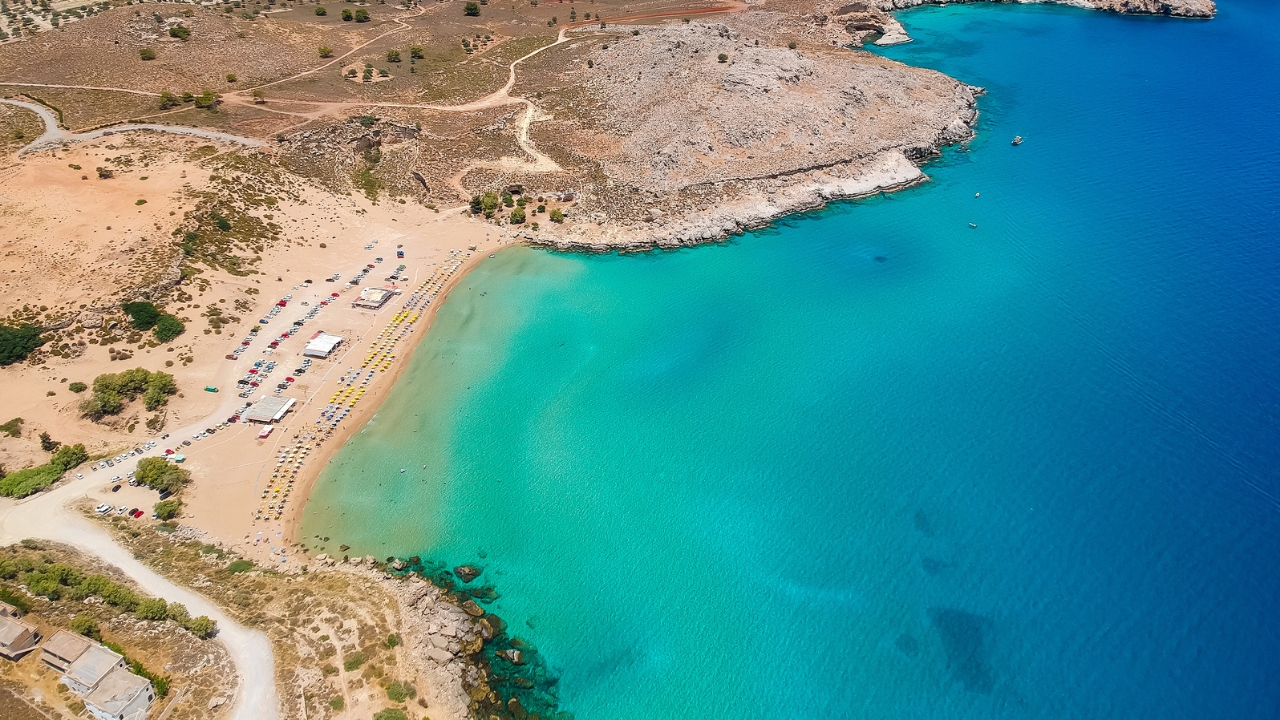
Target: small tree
(152,609)
(77,387)
(85,625)
(556,216)
(326,51)
(471,10)
(202,627)
(346,15)
(416,53)
(723,58)
(169,100)
(231,77)
(321,11)
(517,216)
(180,32)
(168,509)
(147,54)
(362,15)
(168,327)
(47,443)
(393,56)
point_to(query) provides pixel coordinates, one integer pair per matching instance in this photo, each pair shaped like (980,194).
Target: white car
(102,509)
(79,476)
(122,509)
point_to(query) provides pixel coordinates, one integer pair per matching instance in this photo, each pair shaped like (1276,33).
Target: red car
(288,379)
(136,513)
(167,451)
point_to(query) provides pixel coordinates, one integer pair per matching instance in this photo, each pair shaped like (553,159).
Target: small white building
(100,677)
(322,345)
(90,668)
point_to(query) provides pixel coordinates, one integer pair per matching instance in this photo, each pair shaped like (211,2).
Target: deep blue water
(873,463)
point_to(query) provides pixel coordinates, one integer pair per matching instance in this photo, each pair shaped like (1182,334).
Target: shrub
(239,566)
(362,15)
(321,11)
(337,703)
(142,315)
(13,428)
(352,661)
(177,612)
(152,609)
(556,216)
(325,50)
(416,53)
(77,387)
(398,691)
(390,714)
(32,480)
(722,58)
(140,200)
(168,328)
(792,45)
(112,390)
(231,77)
(160,474)
(15,600)
(168,509)
(346,15)
(16,343)
(85,625)
(393,56)
(202,627)
(180,32)
(517,216)
(471,10)
(47,443)
(147,54)
(477,205)
(207,100)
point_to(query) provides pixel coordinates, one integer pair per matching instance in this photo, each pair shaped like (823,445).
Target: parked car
(102,509)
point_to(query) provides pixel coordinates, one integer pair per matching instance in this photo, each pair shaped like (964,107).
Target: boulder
(472,608)
(467,573)
(439,655)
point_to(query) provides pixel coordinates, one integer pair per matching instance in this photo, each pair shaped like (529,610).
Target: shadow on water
(962,638)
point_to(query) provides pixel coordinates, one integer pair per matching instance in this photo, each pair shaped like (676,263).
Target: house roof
(323,342)
(269,409)
(66,645)
(93,665)
(11,629)
(116,691)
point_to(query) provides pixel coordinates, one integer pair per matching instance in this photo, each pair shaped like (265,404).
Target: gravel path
(54,135)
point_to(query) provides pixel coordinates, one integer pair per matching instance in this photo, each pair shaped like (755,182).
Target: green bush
(351,663)
(416,53)
(26,482)
(152,609)
(517,216)
(346,15)
(168,327)
(202,627)
(77,387)
(13,428)
(390,714)
(180,32)
(168,509)
(393,56)
(337,703)
(556,216)
(239,566)
(14,599)
(142,315)
(178,613)
(86,625)
(16,343)
(147,54)
(471,10)
(325,50)
(398,691)
(112,390)
(362,15)
(321,11)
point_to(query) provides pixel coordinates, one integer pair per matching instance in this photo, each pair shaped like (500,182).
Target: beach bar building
(322,345)
(373,298)
(269,410)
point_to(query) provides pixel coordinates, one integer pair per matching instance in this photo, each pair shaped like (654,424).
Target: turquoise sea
(872,462)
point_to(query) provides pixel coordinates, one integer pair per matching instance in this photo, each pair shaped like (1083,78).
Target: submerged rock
(467,573)
(472,609)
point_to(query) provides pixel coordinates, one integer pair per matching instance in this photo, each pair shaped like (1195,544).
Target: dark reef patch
(907,645)
(962,638)
(922,523)
(933,566)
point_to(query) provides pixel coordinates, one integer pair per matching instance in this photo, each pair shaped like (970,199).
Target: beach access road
(50,516)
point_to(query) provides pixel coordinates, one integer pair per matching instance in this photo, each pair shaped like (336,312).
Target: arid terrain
(219,164)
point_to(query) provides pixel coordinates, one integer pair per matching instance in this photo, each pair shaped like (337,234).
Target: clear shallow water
(873,463)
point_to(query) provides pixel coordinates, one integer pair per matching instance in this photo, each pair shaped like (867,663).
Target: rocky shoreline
(474,666)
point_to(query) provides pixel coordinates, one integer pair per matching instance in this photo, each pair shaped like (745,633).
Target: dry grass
(18,127)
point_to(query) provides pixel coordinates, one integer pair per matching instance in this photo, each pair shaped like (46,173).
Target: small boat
(973,225)
(1017,139)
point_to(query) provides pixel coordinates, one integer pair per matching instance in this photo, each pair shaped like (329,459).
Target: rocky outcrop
(1172,8)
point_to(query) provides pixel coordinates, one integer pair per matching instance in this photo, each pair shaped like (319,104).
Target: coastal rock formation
(1174,8)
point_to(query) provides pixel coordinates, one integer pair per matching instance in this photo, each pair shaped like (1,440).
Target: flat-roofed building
(373,298)
(90,668)
(120,695)
(268,410)
(17,637)
(321,345)
(64,648)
